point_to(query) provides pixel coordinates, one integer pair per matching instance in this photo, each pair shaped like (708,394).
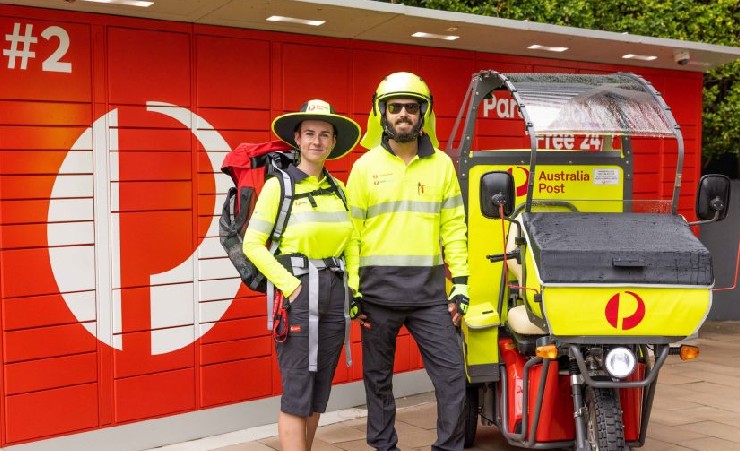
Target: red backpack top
(249,165)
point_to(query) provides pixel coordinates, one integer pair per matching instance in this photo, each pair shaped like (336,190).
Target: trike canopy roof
(620,104)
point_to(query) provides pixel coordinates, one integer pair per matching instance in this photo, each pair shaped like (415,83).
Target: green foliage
(708,21)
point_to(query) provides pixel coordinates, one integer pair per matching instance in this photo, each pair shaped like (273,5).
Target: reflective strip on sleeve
(452,202)
(260,225)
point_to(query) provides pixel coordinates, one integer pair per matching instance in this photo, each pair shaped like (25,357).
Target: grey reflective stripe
(358,213)
(270,303)
(303,217)
(282,217)
(261,225)
(313,317)
(347,321)
(401,260)
(403,206)
(452,202)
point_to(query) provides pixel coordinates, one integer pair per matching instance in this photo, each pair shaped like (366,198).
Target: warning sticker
(606,176)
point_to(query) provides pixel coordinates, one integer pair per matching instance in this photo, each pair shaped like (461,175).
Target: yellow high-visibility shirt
(404,216)
(321,232)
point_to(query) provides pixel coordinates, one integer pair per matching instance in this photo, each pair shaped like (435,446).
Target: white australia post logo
(175,295)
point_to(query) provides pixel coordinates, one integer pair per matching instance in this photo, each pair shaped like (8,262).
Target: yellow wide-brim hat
(347,130)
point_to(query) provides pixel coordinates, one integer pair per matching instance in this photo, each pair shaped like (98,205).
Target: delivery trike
(581,286)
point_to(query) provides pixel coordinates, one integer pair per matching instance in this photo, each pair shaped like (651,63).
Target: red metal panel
(51,412)
(154,395)
(44,374)
(16,265)
(19,112)
(237,330)
(324,81)
(246,305)
(235,381)
(136,69)
(227,351)
(369,67)
(233,72)
(20,236)
(35,311)
(227,119)
(25,162)
(23,211)
(39,138)
(448,78)
(137,358)
(46,342)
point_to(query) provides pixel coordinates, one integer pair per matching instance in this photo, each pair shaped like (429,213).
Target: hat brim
(348,131)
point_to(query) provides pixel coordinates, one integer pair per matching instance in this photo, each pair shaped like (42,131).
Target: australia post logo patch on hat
(318,106)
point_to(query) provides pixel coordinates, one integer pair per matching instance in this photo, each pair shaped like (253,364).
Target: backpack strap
(336,188)
(287,189)
(347,320)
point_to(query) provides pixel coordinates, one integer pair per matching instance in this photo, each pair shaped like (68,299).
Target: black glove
(355,308)
(356,312)
(459,296)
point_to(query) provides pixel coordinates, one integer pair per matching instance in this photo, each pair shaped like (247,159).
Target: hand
(294,294)
(458,302)
(356,313)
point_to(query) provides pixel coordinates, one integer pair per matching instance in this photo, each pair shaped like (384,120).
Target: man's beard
(407,136)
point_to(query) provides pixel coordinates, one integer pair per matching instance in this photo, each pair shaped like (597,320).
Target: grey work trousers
(432,329)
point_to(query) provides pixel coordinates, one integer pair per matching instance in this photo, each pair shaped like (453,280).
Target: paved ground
(697,407)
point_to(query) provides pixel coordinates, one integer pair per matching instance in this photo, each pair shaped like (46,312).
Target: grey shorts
(307,392)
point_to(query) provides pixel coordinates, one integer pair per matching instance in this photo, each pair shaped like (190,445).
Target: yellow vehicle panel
(625,311)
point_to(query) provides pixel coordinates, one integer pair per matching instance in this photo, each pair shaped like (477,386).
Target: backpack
(249,165)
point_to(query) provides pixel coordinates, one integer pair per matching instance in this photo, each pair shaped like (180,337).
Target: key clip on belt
(280,317)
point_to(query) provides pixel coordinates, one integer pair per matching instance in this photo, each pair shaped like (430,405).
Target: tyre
(470,414)
(604,426)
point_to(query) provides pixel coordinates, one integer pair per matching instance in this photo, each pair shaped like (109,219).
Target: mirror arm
(707,221)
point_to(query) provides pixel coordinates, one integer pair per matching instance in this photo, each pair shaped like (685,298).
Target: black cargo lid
(605,248)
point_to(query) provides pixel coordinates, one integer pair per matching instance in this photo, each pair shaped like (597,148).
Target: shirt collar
(426,148)
(297,175)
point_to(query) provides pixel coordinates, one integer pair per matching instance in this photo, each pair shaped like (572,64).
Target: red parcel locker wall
(118,303)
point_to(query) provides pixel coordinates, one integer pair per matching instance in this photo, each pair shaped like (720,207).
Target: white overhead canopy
(395,23)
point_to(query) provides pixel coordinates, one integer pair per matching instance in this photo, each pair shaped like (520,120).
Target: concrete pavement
(697,407)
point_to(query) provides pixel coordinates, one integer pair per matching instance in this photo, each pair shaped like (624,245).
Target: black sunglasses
(411,108)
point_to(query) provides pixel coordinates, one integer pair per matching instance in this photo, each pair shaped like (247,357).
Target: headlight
(620,362)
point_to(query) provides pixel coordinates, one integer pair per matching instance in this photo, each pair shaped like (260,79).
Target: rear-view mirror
(496,189)
(713,197)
